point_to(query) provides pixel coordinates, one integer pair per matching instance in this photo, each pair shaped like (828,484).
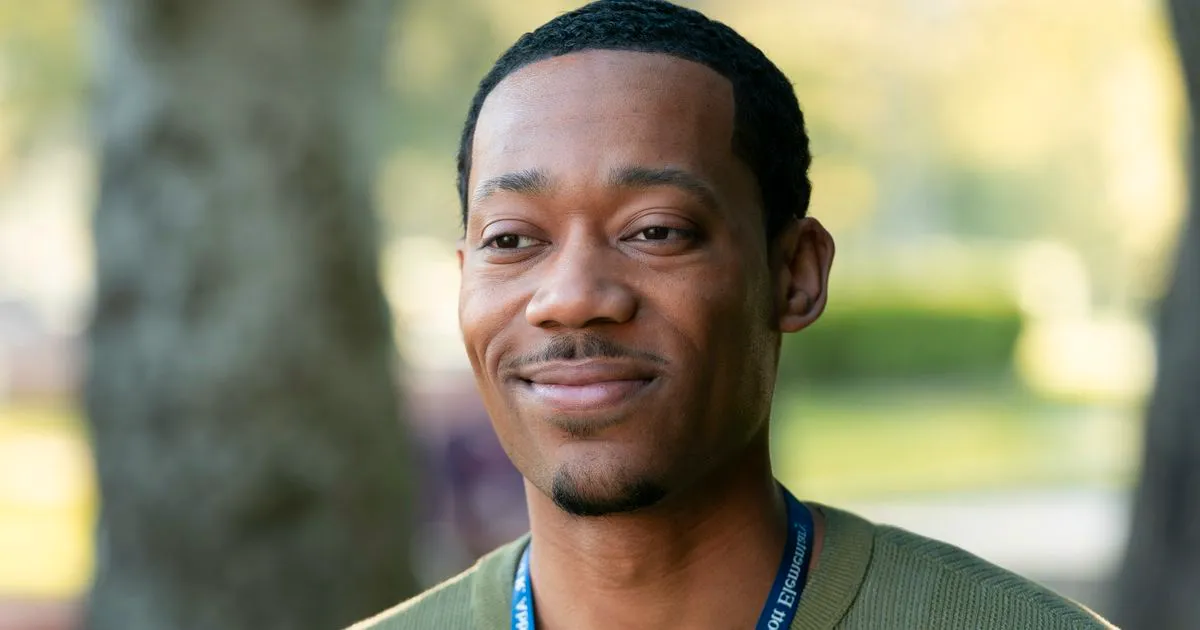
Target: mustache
(579,347)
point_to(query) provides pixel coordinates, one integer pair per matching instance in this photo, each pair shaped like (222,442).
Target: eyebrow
(645,177)
(529,182)
(533,182)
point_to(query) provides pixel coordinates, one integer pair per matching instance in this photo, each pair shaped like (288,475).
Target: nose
(581,287)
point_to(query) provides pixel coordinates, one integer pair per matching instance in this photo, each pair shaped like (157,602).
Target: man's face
(618,302)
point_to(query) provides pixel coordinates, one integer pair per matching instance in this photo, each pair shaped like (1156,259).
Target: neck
(704,557)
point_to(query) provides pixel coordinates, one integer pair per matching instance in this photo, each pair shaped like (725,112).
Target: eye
(662,233)
(510,242)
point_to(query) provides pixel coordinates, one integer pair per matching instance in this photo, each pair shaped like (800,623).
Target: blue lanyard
(780,607)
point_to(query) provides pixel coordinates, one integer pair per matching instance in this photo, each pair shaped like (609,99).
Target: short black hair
(769,132)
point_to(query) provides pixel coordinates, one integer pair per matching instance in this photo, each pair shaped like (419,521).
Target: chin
(595,493)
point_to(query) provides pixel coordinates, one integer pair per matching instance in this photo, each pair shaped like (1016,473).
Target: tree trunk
(240,385)
(1159,585)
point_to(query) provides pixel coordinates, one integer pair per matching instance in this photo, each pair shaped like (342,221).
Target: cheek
(484,315)
(725,318)
(485,309)
(713,306)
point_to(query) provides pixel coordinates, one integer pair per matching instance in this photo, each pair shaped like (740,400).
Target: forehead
(587,113)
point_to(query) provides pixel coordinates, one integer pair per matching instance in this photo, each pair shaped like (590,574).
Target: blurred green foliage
(891,340)
(835,443)
(41,68)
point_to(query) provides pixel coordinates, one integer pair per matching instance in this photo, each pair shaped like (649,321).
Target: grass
(837,445)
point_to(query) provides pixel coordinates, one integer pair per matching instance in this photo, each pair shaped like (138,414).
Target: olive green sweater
(869,577)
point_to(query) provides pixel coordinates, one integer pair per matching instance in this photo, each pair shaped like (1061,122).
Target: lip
(586,385)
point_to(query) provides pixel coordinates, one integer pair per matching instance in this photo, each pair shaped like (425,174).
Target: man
(634,190)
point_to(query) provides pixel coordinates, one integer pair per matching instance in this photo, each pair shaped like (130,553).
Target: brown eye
(660,233)
(656,233)
(507,241)
(510,241)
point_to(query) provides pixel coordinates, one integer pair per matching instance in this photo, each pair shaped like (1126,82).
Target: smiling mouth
(583,386)
(586,396)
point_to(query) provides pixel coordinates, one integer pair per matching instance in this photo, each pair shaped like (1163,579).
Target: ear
(458,249)
(805,252)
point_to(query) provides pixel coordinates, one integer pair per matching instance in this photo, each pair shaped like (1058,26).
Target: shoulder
(453,604)
(887,577)
(445,603)
(959,587)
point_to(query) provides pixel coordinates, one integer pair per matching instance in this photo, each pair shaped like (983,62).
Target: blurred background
(1005,181)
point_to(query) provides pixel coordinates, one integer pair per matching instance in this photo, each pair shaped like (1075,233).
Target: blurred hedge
(897,341)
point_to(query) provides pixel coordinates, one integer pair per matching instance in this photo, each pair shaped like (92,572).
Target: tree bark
(240,386)
(1159,584)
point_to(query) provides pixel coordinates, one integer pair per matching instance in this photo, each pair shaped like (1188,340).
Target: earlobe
(806,275)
